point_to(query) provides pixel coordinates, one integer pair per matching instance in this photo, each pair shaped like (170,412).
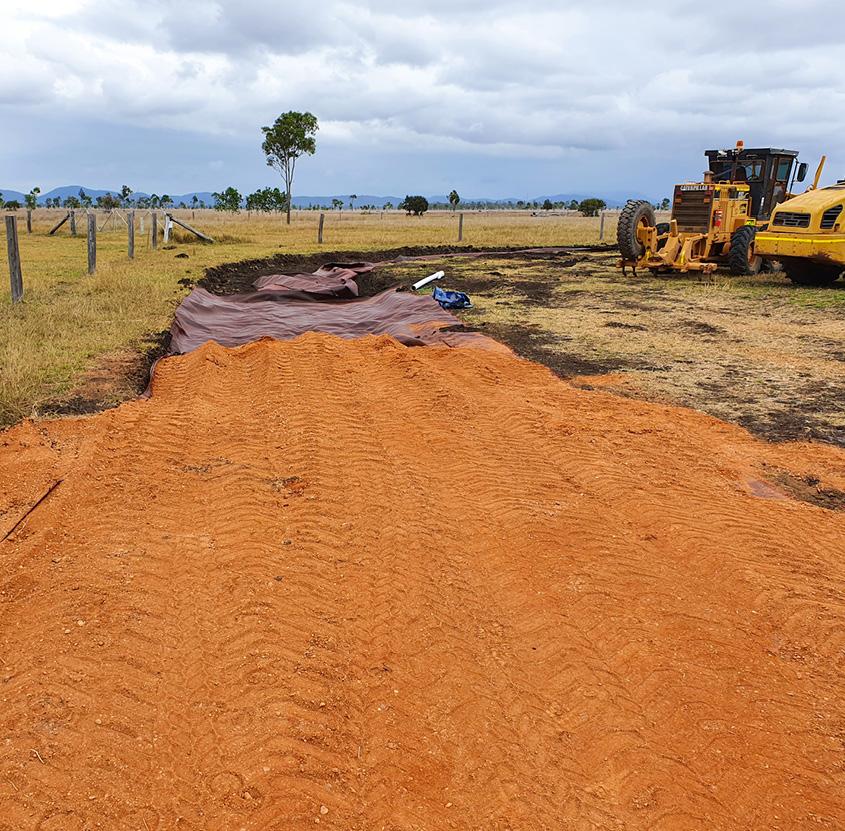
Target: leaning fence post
(460,227)
(14,258)
(154,229)
(601,226)
(92,243)
(166,228)
(72,222)
(320,229)
(29,220)
(130,227)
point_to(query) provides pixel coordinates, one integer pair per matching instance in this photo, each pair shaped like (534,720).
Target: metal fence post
(130,227)
(320,229)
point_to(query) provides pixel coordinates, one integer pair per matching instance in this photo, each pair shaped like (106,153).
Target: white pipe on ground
(438,275)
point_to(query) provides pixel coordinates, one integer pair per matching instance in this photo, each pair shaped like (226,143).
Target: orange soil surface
(357,585)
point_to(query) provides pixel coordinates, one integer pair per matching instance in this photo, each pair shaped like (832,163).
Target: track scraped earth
(361,586)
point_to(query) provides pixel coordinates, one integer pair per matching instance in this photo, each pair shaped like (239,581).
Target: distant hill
(613,199)
(9,195)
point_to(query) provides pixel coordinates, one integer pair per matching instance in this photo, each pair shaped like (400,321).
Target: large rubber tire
(807,273)
(741,258)
(636,213)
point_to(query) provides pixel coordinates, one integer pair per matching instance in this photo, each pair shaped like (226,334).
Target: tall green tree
(125,193)
(31,199)
(292,135)
(228,200)
(454,200)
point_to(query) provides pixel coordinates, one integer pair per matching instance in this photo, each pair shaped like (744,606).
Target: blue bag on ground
(451,299)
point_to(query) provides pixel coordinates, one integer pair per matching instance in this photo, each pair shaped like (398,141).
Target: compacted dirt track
(361,586)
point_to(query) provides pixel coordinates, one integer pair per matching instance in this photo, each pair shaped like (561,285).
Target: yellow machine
(715,221)
(807,235)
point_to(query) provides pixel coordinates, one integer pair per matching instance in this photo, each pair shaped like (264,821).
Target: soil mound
(350,583)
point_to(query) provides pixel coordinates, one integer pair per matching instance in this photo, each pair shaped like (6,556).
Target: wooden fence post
(29,220)
(130,226)
(14,258)
(167,228)
(320,229)
(92,243)
(142,225)
(460,227)
(72,222)
(154,229)
(601,226)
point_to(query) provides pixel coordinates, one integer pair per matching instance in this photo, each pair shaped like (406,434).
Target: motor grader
(713,222)
(807,235)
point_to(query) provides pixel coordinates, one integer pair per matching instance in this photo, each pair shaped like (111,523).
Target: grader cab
(715,221)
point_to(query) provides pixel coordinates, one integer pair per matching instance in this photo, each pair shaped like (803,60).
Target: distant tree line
(106,202)
(274,200)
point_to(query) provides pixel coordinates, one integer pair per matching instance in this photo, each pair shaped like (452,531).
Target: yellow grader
(713,222)
(807,235)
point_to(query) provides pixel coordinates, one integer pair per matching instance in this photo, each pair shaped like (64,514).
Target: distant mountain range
(614,200)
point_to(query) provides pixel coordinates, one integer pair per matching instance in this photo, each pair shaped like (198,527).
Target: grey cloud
(533,80)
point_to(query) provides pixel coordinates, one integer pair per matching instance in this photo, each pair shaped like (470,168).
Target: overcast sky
(493,98)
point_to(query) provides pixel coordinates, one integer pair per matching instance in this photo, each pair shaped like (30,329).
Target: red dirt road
(361,586)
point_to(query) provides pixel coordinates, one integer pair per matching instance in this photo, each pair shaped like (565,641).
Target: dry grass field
(69,320)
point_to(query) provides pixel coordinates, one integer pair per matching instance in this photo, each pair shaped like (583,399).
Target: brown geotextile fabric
(286,306)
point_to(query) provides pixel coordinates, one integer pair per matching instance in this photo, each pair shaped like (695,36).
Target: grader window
(753,171)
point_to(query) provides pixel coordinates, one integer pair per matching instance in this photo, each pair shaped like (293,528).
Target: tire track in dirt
(380,587)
